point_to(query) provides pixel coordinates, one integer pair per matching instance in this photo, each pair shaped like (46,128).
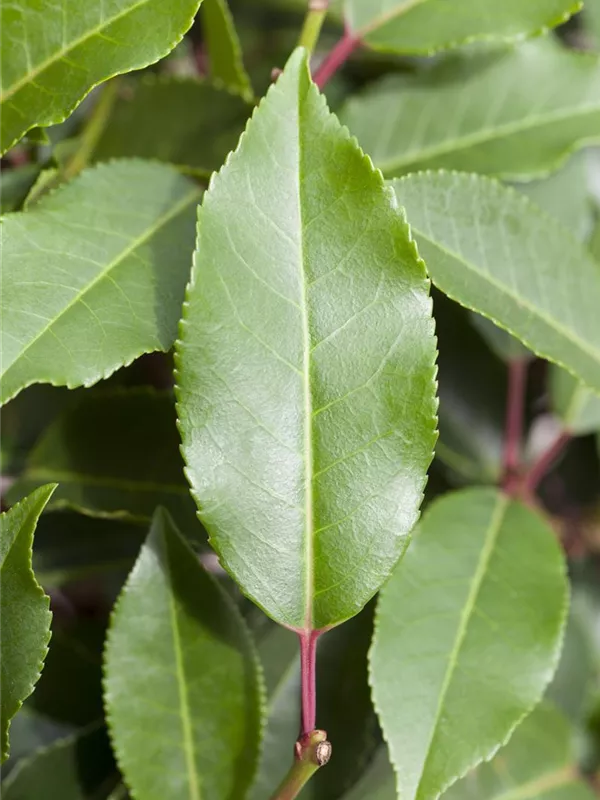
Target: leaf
(577,406)
(344,707)
(467,636)
(493,251)
(25,609)
(15,183)
(537,764)
(378,782)
(29,731)
(75,768)
(501,342)
(482,112)
(184,121)
(116,453)
(93,275)
(426,26)
(182,689)
(54,53)
(226,66)
(306,394)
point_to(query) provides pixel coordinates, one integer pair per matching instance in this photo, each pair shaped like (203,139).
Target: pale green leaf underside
(537,764)
(577,406)
(224,50)
(492,250)
(24,609)
(93,275)
(182,687)
(425,26)
(514,113)
(116,453)
(306,392)
(55,51)
(468,636)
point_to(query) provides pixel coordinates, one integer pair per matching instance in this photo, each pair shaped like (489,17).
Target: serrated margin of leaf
(141,64)
(48,491)
(244,89)
(553,222)
(180,340)
(101,166)
(491,38)
(552,667)
(228,600)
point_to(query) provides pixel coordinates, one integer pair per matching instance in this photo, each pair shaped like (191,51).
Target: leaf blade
(25,609)
(421,695)
(290,494)
(224,50)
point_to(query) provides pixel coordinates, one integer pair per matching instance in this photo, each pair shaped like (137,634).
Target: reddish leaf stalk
(336,58)
(308,669)
(545,461)
(515,414)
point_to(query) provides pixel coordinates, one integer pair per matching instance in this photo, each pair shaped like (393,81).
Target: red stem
(515,413)
(308,664)
(545,461)
(335,58)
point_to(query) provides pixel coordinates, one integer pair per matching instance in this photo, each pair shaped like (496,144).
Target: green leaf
(467,636)
(54,53)
(15,183)
(25,609)
(577,406)
(184,121)
(344,707)
(226,66)
(182,690)
(501,342)
(93,275)
(378,781)
(30,731)
(482,112)
(76,768)
(494,251)
(306,393)
(116,453)
(537,764)
(426,26)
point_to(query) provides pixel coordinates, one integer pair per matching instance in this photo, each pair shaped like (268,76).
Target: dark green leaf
(24,609)
(116,453)
(483,112)
(15,184)
(93,274)
(577,406)
(226,66)
(306,392)
(181,120)
(537,764)
(467,638)
(182,688)
(344,707)
(501,342)
(429,25)
(54,53)
(378,781)
(77,768)
(495,252)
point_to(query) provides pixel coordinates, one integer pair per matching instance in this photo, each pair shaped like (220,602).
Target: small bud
(323,753)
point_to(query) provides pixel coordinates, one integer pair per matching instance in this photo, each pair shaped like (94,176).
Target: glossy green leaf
(467,636)
(306,393)
(116,453)
(54,52)
(24,609)
(495,252)
(537,764)
(93,275)
(225,63)
(182,690)
(184,121)
(344,707)
(482,112)
(425,26)
(80,767)
(577,406)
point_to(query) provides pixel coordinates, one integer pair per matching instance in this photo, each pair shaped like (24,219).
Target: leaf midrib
(60,54)
(137,242)
(494,527)
(552,323)
(486,135)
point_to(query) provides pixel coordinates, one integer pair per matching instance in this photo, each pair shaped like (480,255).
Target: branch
(513,433)
(312,752)
(315,16)
(336,58)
